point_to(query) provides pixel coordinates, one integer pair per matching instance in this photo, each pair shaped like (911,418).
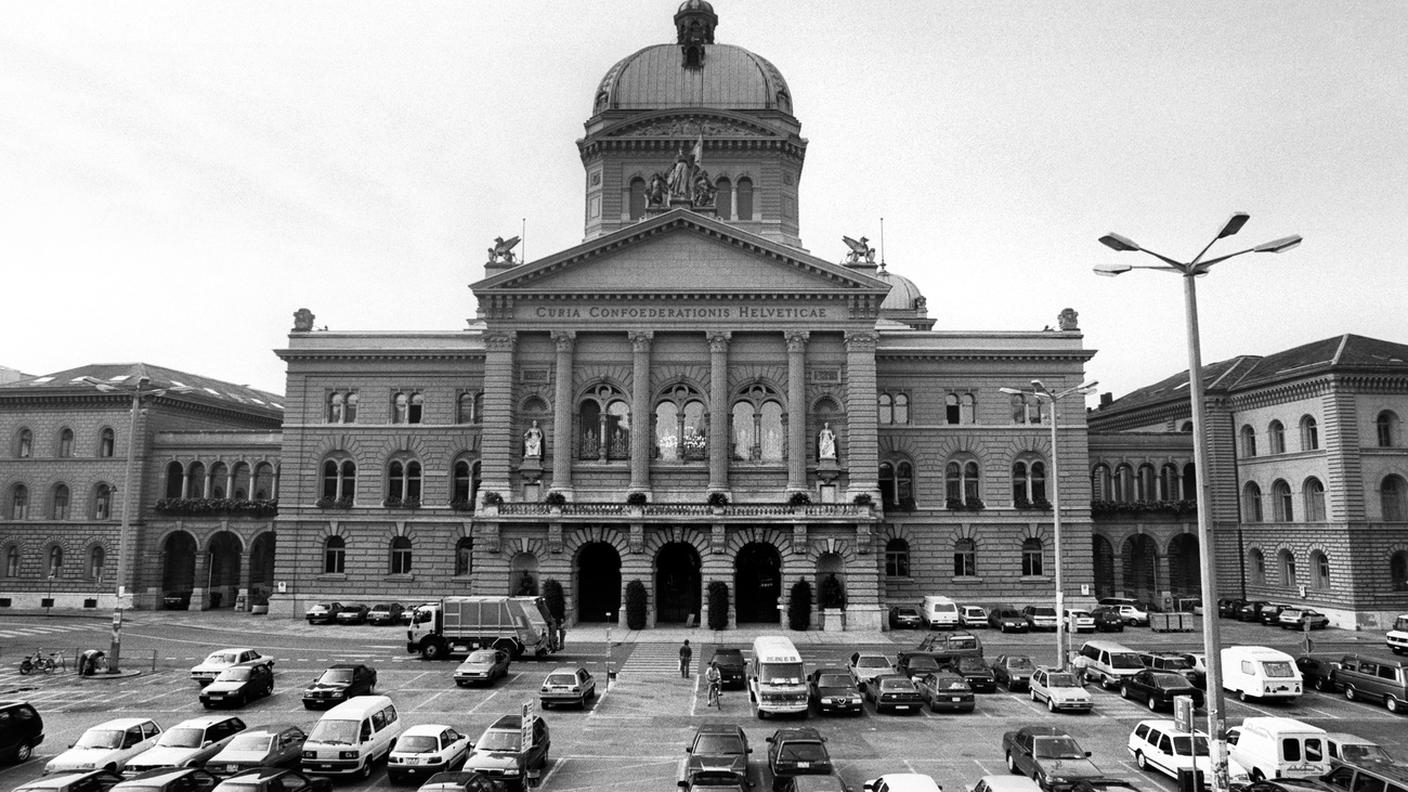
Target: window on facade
(1251,502)
(681,430)
(342,407)
(195,480)
(1124,484)
(1190,482)
(1319,570)
(464,556)
(1186,427)
(897,484)
(334,555)
(1397,570)
(1100,483)
(952,413)
(1144,483)
(65,443)
(403,480)
(106,442)
(757,426)
(723,198)
(24,446)
(965,558)
(961,482)
(264,485)
(886,407)
(1287,562)
(1168,482)
(1386,427)
(219,477)
(102,502)
(340,479)
(1257,567)
(469,408)
(1392,494)
(1282,506)
(1026,409)
(604,425)
(1314,493)
(175,478)
(1031,558)
(96,557)
(407,407)
(1028,483)
(19,502)
(1276,438)
(901,415)
(635,199)
(967,408)
(239,481)
(56,560)
(400,555)
(1248,442)
(59,510)
(465,483)
(12,561)
(897,558)
(1309,434)
(745,198)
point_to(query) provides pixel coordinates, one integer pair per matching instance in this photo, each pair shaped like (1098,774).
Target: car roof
(122,723)
(1167,726)
(348,665)
(159,772)
(831,670)
(718,728)
(260,773)
(430,729)
(274,728)
(1009,783)
(202,721)
(507,722)
(723,650)
(1044,731)
(798,733)
(230,649)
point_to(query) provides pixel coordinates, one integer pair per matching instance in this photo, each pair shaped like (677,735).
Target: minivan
(1107,662)
(1260,672)
(1279,747)
(1374,679)
(352,737)
(939,612)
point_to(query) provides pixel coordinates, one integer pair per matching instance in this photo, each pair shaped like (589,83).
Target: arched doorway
(830,565)
(1103,556)
(261,568)
(178,564)
(757,581)
(1184,578)
(223,569)
(598,582)
(677,584)
(523,575)
(1140,556)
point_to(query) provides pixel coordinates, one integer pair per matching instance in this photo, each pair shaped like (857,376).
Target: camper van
(940,613)
(1260,672)
(775,678)
(352,737)
(1397,638)
(1279,748)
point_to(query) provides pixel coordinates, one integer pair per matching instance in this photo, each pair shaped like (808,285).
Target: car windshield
(970,664)
(833,680)
(334,731)
(802,752)
(220,658)
(236,674)
(872,661)
(1170,681)
(100,738)
(896,683)
(1057,748)
(781,674)
(954,683)
(482,656)
(1175,662)
(717,744)
(1181,745)
(1043,611)
(418,744)
(1061,680)
(1020,664)
(250,742)
(1125,660)
(336,676)
(561,679)
(1400,624)
(499,741)
(1366,752)
(1278,668)
(182,738)
(922,663)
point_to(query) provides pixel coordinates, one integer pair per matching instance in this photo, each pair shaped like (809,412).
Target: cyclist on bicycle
(715,682)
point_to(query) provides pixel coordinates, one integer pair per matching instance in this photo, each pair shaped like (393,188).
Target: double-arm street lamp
(1212,644)
(1041,394)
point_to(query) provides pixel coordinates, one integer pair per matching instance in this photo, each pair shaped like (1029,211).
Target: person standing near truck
(686,654)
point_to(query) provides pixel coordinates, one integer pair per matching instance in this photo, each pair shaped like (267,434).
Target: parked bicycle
(39,662)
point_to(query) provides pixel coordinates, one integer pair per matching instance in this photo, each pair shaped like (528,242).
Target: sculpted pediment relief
(690,127)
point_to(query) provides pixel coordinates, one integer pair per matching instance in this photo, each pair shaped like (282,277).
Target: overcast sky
(176,178)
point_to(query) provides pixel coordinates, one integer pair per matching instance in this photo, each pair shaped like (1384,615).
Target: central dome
(730,78)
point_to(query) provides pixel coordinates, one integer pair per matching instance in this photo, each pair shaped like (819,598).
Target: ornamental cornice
(1280,394)
(1371,383)
(641,341)
(983,354)
(597,147)
(797,341)
(564,340)
(861,341)
(500,340)
(374,354)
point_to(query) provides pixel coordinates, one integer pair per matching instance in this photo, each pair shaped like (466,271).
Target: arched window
(195,480)
(24,445)
(897,558)
(1314,494)
(12,561)
(1025,409)
(887,409)
(340,480)
(96,557)
(264,482)
(1100,483)
(400,555)
(342,407)
(745,198)
(967,408)
(1386,427)
(334,555)
(1309,434)
(635,199)
(1144,483)
(1397,570)
(59,507)
(470,407)
(1282,506)
(56,561)
(464,557)
(681,430)
(1248,441)
(1186,427)
(604,424)
(1251,502)
(19,502)
(901,408)
(102,502)
(961,483)
(219,477)
(723,198)
(465,484)
(1319,570)
(1287,561)
(65,443)
(965,558)
(1124,484)
(1032,558)
(400,405)
(1256,567)
(1392,494)
(897,484)
(239,481)
(1276,438)
(402,481)
(175,479)
(952,413)
(1168,483)
(106,443)
(1029,483)
(757,425)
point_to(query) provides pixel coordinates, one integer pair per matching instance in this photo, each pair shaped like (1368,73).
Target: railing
(589,509)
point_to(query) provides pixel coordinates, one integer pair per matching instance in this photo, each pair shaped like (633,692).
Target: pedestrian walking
(686,654)
(561,634)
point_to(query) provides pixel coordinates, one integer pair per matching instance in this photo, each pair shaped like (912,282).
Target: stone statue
(1067,319)
(860,250)
(826,442)
(679,182)
(656,191)
(502,251)
(302,320)
(704,188)
(533,442)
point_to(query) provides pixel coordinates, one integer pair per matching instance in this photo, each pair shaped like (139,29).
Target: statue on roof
(860,250)
(502,251)
(302,320)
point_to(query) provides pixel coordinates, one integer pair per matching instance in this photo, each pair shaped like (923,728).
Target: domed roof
(730,78)
(903,292)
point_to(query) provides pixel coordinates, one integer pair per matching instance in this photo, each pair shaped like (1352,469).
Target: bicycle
(38,662)
(715,695)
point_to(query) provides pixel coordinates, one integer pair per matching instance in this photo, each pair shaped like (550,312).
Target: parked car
(1059,690)
(1227,607)
(1013,672)
(1132,615)
(1270,615)
(902,782)
(1299,618)
(21,728)
(567,685)
(1040,617)
(1176,663)
(945,691)
(206,670)
(826,783)
(915,665)
(176,600)
(1005,783)
(236,686)
(422,751)
(1105,662)
(733,669)
(972,616)
(1198,663)
(384,613)
(1367,777)
(500,753)
(1049,756)
(322,612)
(340,682)
(1374,679)
(973,669)
(1107,619)
(169,779)
(1079,620)
(865,667)
(274,779)
(110,744)
(796,752)
(190,743)
(1251,610)
(353,613)
(1161,746)
(1007,619)
(834,690)
(1158,689)
(718,750)
(264,746)
(1318,670)
(893,692)
(86,781)
(482,666)
(905,617)
(1349,749)
(460,781)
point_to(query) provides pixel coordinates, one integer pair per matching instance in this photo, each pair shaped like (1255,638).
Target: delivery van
(775,677)
(940,613)
(1279,748)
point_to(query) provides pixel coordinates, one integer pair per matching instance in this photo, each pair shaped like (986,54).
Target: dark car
(322,612)
(834,690)
(274,779)
(500,753)
(1287,785)
(815,783)
(85,781)
(263,746)
(1318,670)
(796,752)
(354,613)
(1107,619)
(916,664)
(977,673)
(176,600)
(339,683)
(385,613)
(1007,619)
(945,691)
(21,728)
(732,668)
(895,693)
(1013,672)
(236,686)
(460,781)
(170,779)
(1175,663)
(717,751)
(1271,614)
(1158,689)
(1251,610)
(905,617)
(1050,757)
(1227,607)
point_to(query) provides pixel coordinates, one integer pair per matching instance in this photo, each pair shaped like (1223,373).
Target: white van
(775,678)
(939,613)
(352,737)
(1260,672)
(1279,747)
(1106,662)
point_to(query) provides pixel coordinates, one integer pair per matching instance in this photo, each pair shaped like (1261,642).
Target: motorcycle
(37,662)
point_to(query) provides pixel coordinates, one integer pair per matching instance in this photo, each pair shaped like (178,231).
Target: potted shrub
(492,502)
(635,605)
(555,500)
(636,499)
(863,499)
(718,603)
(717,501)
(799,606)
(799,499)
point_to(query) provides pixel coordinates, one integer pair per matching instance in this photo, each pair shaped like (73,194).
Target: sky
(177,178)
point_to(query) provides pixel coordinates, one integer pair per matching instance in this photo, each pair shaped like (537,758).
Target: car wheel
(1393,704)
(1350,693)
(1124,691)
(1011,764)
(206,704)
(1153,703)
(1242,695)
(1321,683)
(23,753)
(462,683)
(762,715)
(1051,705)
(1032,693)
(366,771)
(1257,775)
(544,704)
(1140,761)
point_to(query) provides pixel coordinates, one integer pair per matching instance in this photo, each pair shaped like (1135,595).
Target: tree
(799,606)
(718,605)
(556,601)
(635,605)
(833,592)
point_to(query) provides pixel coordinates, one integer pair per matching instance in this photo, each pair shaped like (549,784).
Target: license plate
(957,698)
(804,765)
(232,768)
(901,706)
(324,766)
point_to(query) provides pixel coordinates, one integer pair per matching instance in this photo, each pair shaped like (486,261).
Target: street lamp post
(1043,395)
(1212,642)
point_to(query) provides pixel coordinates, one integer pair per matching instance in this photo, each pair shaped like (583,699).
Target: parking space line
(422,704)
(483,701)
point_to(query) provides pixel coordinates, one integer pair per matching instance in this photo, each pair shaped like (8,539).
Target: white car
(865,667)
(221,659)
(1079,620)
(109,745)
(1005,783)
(422,751)
(1060,690)
(902,782)
(1160,745)
(190,743)
(972,616)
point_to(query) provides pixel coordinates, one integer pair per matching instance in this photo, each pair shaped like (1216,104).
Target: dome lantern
(694,25)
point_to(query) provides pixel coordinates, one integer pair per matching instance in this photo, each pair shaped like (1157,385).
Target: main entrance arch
(223,573)
(598,582)
(757,581)
(677,584)
(261,568)
(1184,575)
(1141,566)
(178,563)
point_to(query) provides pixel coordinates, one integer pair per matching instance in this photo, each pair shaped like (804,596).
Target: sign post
(1183,713)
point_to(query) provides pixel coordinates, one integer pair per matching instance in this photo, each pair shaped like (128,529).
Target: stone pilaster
(640,411)
(497,445)
(796,411)
(718,412)
(862,441)
(561,448)
(1344,492)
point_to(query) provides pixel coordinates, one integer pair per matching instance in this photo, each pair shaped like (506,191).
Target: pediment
(687,126)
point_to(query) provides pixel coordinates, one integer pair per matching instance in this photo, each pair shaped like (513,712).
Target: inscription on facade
(681,313)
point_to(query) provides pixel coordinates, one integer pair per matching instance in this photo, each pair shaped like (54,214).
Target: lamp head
(1011,391)
(1111,270)
(1038,387)
(1278,245)
(1233,224)
(1120,243)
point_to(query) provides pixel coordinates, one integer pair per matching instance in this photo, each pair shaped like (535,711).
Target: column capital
(860,341)
(797,340)
(718,341)
(564,340)
(641,340)
(502,341)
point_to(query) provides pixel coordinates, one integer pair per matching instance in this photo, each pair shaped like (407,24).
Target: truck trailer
(459,625)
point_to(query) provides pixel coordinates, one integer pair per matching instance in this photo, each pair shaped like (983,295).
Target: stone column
(796,411)
(862,442)
(719,439)
(561,448)
(640,410)
(497,444)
